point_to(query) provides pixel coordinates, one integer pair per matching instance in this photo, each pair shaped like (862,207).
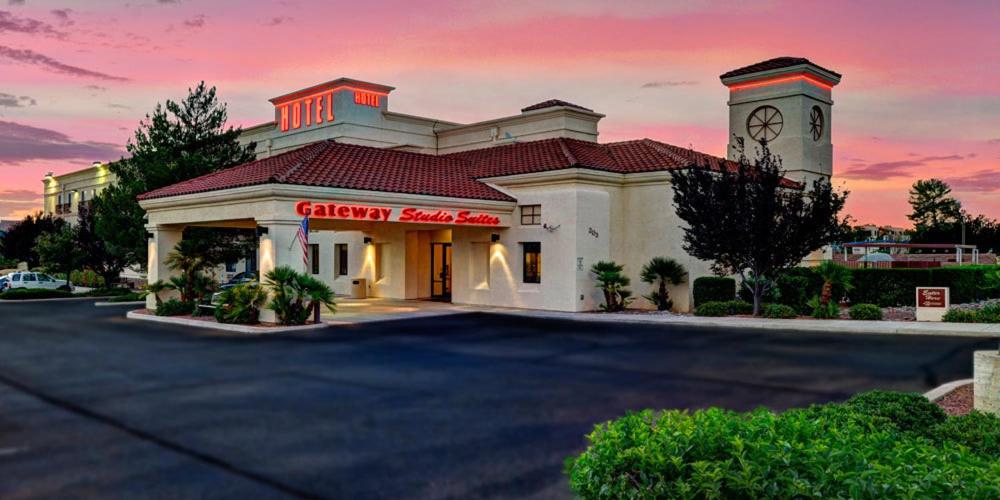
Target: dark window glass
(532,262)
(531,215)
(314,250)
(341,259)
(231,267)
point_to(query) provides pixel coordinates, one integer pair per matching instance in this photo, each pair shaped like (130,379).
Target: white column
(279,246)
(162,241)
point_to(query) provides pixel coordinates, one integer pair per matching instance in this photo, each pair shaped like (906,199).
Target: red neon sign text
(366,98)
(314,110)
(385,214)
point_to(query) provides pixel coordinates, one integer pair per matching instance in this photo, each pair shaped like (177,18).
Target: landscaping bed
(958,401)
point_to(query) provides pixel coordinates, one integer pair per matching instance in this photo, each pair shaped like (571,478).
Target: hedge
(828,451)
(713,289)
(34,293)
(865,312)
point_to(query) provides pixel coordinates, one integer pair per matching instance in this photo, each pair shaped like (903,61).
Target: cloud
(118,106)
(13,101)
(96,88)
(668,83)
(13,203)
(994,141)
(11,23)
(195,22)
(983,181)
(63,16)
(15,2)
(21,195)
(275,21)
(26,56)
(890,169)
(20,143)
(168,1)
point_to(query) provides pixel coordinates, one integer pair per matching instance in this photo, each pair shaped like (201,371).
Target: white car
(33,280)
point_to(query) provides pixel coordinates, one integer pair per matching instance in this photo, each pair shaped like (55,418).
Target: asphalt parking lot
(465,406)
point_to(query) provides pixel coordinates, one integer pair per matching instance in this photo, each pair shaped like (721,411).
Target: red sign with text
(387,214)
(932,297)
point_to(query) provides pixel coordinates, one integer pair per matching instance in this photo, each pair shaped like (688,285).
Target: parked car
(239,279)
(33,280)
(4,282)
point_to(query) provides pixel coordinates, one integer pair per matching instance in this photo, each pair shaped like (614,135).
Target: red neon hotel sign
(387,214)
(318,108)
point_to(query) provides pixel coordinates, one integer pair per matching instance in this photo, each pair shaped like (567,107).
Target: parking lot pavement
(462,406)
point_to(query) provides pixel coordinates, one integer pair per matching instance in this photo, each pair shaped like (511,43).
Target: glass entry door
(441,271)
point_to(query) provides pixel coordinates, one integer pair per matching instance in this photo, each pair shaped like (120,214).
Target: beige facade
(64,194)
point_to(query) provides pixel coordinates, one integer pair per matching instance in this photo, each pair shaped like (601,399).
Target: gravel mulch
(958,401)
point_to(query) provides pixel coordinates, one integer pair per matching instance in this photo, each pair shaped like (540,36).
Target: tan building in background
(63,194)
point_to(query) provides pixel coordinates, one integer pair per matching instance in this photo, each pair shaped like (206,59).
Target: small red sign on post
(932,303)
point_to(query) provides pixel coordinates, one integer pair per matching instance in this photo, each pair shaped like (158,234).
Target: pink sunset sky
(919,96)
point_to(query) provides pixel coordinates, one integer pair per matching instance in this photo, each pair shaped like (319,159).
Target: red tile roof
(456,175)
(776,63)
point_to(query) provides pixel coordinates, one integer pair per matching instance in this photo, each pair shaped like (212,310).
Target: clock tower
(786,102)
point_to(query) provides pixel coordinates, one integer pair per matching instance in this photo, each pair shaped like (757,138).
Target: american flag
(303,237)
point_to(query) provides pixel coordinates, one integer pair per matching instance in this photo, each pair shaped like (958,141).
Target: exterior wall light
(150,235)
(494,237)
(368,240)
(261,231)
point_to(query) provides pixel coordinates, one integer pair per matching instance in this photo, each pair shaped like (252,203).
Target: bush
(128,297)
(241,304)
(174,307)
(34,293)
(888,287)
(106,292)
(86,278)
(713,289)
(988,314)
(727,308)
(795,291)
(980,432)
(908,412)
(825,452)
(867,312)
(780,311)
(830,310)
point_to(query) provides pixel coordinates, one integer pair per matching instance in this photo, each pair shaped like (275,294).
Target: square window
(531,215)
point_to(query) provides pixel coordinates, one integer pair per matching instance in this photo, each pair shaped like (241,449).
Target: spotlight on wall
(261,231)
(150,236)
(494,237)
(368,240)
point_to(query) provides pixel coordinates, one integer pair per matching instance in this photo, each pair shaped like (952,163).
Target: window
(341,257)
(231,267)
(314,252)
(531,215)
(29,277)
(532,262)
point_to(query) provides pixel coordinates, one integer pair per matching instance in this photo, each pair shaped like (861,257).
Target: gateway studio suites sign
(344,211)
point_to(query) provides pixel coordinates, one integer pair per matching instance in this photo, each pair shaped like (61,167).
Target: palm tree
(188,258)
(155,288)
(296,295)
(834,275)
(317,294)
(281,282)
(612,282)
(665,271)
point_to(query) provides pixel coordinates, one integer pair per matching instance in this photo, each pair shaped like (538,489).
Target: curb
(58,299)
(939,391)
(130,303)
(253,330)
(804,325)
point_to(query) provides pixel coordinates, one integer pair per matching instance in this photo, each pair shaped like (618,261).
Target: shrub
(713,289)
(988,314)
(241,304)
(888,287)
(739,307)
(816,453)
(295,295)
(106,292)
(86,278)
(868,312)
(661,272)
(712,309)
(174,307)
(613,284)
(980,432)
(34,293)
(795,291)
(746,290)
(128,297)
(909,412)
(829,310)
(780,311)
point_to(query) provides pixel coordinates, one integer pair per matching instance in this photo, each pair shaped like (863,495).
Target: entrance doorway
(441,271)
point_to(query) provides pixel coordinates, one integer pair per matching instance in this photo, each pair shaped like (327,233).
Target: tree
(95,253)
(933,205)
(612,283)
(58,251)
(834,276)
(188,259)
(20,243)
(664,271)
(750,219)
(295,295)
(179,141)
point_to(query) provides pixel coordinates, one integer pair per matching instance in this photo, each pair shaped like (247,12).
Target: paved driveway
(466,406)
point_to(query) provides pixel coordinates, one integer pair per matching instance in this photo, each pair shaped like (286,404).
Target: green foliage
(174,307)
(906,411)
(105,292)
(294,295)
(932,204)
(177,142)
(612,283)
(58,251)
(794,291)
(822,452)
(128,297)
(727,308)
(713,289)
(662,271)
(747,286)
(897,287)
(986,314)
(241,304)
(830,310)
(34,293)
(155,288)
(978,431)
(19,245)
(780,311)
(835,277)
(87,278)
(866,312)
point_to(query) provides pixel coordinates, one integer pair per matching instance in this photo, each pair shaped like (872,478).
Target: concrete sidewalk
(808,325)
